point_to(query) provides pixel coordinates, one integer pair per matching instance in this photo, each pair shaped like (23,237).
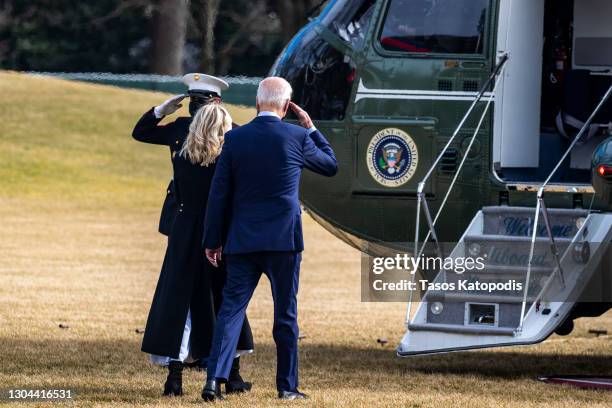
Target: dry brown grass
(79,204)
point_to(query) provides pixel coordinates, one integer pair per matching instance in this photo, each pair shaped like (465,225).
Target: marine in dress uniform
(189,291)
(203,89)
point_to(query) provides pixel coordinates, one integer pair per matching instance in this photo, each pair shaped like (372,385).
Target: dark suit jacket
(257,182)
(173,135)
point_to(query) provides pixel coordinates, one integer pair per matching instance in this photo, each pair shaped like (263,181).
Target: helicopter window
(321,76)
(326,83)
(350,19)
(435,26)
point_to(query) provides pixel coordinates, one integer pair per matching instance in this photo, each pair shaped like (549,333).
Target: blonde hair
(205,138)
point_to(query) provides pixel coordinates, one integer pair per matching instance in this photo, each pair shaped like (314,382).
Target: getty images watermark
(499,270)
(393,276)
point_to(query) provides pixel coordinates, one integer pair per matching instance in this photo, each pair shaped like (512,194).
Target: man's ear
(286,108)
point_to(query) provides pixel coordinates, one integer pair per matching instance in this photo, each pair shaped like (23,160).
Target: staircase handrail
(421,199)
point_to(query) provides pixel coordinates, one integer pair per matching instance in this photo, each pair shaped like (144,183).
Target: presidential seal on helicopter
(392,157)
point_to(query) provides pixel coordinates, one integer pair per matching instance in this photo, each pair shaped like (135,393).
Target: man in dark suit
(254,204)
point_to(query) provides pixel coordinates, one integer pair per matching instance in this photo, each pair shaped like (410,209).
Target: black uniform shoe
(174,382)
(211,391)
(291,395)
(235,383)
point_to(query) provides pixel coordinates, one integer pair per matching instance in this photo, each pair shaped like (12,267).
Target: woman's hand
(213,256)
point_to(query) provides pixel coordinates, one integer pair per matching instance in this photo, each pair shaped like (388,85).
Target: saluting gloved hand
(169,107)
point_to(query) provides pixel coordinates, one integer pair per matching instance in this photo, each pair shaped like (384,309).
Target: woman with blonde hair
(188,294)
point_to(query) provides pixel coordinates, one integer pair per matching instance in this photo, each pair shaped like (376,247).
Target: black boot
(235,383)
(174,382)
(211,391)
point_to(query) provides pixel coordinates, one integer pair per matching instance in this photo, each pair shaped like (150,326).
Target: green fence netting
(242,89)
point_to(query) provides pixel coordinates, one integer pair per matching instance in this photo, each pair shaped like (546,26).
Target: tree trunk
(168,36)
(208,22)
(292,15)
(286,14)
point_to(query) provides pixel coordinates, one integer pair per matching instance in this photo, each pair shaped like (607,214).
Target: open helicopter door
(591,72)
(559,67)
(468,318)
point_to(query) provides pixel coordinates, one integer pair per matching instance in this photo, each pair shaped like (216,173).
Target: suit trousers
(243,273)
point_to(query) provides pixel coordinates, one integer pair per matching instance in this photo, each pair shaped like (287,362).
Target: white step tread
(506,210)
(442,296)
(512,239)
(454,328)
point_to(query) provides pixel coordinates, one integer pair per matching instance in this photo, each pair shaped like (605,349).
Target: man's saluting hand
(302,116)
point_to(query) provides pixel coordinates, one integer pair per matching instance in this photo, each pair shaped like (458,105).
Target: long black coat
(172,135)
(187,280)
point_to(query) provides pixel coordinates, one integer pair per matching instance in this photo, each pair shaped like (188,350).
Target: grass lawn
(79,204)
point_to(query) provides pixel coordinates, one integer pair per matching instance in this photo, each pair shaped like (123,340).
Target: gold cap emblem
(196,77)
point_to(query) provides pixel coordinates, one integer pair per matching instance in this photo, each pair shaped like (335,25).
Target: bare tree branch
(208,22)
(120,9)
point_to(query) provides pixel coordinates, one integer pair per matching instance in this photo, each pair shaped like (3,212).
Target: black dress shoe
(211,391)
(235,383)
(174,382)
(291,395)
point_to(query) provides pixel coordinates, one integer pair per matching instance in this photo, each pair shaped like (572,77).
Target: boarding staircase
(466,318)
(537,261)
(500,237)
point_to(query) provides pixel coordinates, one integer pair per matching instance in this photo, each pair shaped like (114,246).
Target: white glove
(169,107)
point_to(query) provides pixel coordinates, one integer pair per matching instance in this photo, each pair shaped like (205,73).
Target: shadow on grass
(99,365)
(492,363)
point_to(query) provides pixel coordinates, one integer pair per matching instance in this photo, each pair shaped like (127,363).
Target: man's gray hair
(274,91)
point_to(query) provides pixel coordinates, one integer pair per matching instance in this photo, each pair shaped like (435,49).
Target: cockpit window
(350,19)
(322,76)
(435,26)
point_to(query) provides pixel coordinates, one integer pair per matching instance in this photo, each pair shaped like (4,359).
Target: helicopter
(480,112)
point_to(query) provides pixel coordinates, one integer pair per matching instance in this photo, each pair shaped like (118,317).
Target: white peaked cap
(203,82)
